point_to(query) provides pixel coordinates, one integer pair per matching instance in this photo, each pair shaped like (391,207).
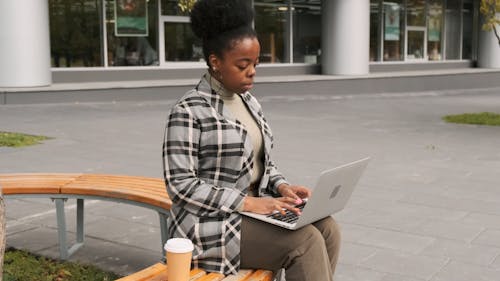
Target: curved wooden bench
(140,191)
(158,272)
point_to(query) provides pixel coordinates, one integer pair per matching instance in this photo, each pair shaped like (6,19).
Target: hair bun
(210,18)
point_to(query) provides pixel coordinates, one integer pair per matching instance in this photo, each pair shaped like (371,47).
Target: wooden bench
(140,191)
(158,272)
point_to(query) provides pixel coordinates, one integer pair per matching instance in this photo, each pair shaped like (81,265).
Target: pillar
(488,49)
(25,43)
(345,37)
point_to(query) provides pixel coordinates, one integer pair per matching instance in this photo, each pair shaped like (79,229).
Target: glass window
(415,12)
(271,24)
(374,30)
(416,39)
(306,31)
(135,41)
(176,7)
(393,30)
(434,29)
(467,29)
(452,20)
(181,44)
(75,33)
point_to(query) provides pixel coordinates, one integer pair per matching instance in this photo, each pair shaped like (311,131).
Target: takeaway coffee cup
(179,253)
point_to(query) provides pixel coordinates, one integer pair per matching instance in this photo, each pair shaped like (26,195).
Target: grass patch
(20,265)
(18,140)
(483,118)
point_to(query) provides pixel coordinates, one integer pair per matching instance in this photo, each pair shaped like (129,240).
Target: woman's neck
(218,87)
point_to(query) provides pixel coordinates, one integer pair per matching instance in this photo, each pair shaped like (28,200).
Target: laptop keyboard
(289,216)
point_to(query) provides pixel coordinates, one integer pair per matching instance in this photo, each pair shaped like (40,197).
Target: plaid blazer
(207,158)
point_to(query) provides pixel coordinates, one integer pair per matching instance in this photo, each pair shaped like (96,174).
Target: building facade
(343,36)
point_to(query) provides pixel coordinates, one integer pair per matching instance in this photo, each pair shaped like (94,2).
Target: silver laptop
(332,191)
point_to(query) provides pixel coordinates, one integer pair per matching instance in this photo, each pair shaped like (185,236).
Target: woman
(217,162)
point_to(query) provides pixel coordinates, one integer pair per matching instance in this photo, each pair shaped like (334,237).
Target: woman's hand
(268,205)
(296,192)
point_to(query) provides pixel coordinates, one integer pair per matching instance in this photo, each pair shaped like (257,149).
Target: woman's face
(236,69)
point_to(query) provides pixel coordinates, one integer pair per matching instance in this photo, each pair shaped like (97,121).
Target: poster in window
(434,29)
(391,30)
(131,18)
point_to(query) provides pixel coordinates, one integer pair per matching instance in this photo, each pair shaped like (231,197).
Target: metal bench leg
(164,232)
(61,228)
(64,251)
(79,220)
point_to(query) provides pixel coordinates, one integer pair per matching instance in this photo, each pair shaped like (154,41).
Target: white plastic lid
(179,245)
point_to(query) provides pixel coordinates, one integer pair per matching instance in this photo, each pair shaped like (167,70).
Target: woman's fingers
(287,203)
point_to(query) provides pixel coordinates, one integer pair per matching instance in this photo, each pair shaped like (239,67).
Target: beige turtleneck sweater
(239,110)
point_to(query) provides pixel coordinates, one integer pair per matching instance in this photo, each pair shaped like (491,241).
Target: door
(416,30)
(416,43)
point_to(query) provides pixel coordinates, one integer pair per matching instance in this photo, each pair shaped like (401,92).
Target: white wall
(345,37)
(488,49)
(25,43)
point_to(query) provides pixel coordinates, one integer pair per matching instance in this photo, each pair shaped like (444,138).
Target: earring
(217,73)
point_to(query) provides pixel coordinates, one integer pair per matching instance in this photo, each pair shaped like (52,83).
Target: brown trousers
(307,254)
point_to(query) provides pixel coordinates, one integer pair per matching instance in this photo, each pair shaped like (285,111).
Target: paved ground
(427,208)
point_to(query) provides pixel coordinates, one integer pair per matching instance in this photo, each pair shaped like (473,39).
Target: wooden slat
(195,274)
(150,191)
(243,274)
(158,272)
(211,277)
(34,183)
(147,273)
(260,275)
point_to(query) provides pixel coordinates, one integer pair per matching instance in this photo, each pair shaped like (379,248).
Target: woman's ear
(214,62)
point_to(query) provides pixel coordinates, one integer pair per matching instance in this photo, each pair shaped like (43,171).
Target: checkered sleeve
(180,159)
(275,179)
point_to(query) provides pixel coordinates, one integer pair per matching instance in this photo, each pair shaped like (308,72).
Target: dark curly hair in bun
(221,24)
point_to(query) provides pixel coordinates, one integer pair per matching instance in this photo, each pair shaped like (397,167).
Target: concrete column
(488,49)
(24,43)
(345,37)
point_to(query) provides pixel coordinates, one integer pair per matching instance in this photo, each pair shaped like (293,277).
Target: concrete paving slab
(24,208)
(395,262)
(458,251)
(428,213)
(395,277)
(496,263)
(391,221)
(126,212)
(457,271)
(394,240)
(355,273)
(379,192)
(51,221)
(128,233)
(488,237)
(449,230)
(16,228)
(368,203)
(116,257)
(351,214)
(33,239)
(469,205)
(354,254)
(353,233)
